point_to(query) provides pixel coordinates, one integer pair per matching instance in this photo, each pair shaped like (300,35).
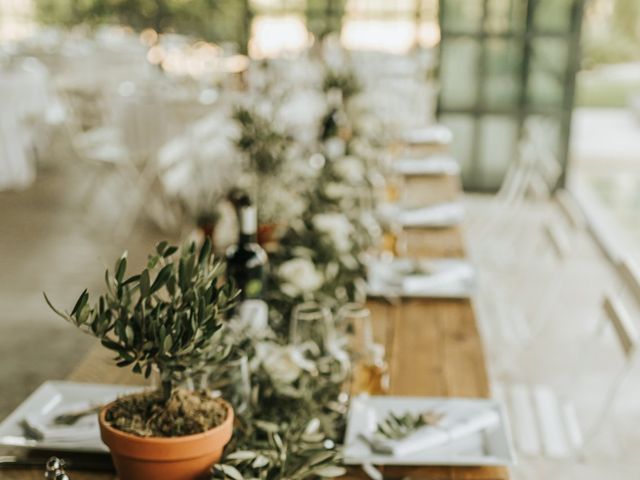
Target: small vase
(189,457)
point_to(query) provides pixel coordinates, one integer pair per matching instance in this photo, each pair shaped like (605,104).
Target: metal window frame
(523,107)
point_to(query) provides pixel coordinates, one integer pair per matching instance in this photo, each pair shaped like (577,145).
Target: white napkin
(434,436)
(436,165)
(442,215)
(86,428)
(434,134)
(441,280)
(405,276)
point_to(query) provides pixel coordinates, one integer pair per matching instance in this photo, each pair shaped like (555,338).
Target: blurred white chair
(545,422)
(24,98)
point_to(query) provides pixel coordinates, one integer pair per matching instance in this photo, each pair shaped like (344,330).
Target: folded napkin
(442,215)
(442,280)
(428,437)
(436,165)
(434,134)
(43,426)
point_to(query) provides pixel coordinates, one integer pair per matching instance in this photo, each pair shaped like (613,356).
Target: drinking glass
(311,322)
(354,322)
(233,381)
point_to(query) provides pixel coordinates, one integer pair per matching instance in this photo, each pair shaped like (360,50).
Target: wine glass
(354,322)
(311,322)
(233,381)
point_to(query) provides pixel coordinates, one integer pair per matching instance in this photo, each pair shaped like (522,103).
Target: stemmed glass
(354,322)
(370,371)
(233,380)
(311,322)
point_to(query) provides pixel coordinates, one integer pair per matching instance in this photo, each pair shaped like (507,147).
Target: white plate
(490,447)
(52,398)
(430,135)
(436,165)
(436,278)
(442,215)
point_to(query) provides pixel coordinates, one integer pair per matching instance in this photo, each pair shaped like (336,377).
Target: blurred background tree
(213,20)
(611,32)
(324,16)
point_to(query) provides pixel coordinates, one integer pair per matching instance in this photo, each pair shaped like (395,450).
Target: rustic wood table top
(433,349)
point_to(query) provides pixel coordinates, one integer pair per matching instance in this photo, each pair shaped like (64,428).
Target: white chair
(24,99)
(546,425)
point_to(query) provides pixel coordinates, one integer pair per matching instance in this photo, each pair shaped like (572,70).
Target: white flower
(300,276)
(283,363)
(252,320)
(335,147)
(337,190)
(337,227)
(302,110)
(350,168)
(279,203)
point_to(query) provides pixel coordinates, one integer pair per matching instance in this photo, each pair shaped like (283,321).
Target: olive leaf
(395,426)
(169,323)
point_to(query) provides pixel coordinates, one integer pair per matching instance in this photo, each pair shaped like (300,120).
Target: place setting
(275,240)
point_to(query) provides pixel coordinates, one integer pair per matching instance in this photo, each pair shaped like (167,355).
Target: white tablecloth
(24,96)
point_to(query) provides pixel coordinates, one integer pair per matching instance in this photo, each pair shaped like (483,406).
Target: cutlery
(73,417)
(90,465)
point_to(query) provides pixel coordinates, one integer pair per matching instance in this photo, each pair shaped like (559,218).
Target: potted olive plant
(163,321)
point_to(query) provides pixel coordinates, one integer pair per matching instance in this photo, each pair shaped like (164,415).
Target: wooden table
(433,347)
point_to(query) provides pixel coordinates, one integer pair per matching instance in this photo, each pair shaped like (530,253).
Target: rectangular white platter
(453,278)
(55,397)
(493,447)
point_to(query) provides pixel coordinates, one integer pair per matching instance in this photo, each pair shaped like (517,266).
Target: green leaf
(153,261)
(129,334)
(241,455)
(268,427)
(230,471)
(330,471)
(321,458)
(170,251)
(144,283)
(167,343)
(82,300)
(111,345)
(121,268)
(161,279)
(160,247)
(260,462)
(205,251)
(131,279)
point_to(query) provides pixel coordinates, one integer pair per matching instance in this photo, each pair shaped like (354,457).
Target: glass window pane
(503,65)
(458,73)
(553,15)
(498,140)
(505,16)
(545,134)
(462,127)
(547,72)
(462,15)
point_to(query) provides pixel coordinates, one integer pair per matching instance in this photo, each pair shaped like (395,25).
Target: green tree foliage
(215,20)
(163,317)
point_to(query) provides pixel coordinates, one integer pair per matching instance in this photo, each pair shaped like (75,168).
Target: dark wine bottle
(247,262)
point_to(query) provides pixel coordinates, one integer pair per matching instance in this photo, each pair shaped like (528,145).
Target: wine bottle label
(248,220)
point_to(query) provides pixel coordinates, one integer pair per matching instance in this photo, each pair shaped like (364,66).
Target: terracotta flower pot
(176,458)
